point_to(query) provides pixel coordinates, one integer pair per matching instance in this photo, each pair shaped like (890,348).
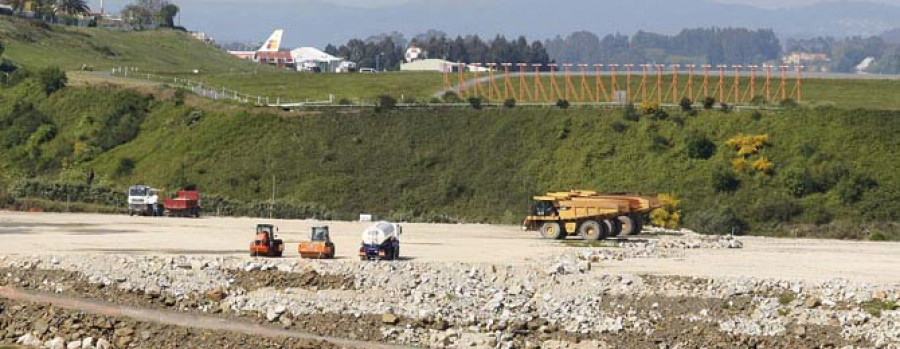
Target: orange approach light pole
(721,85)
(628,68)
(585,87)
(538,86)
(643,87)
(569,87)
(675,83)
(613,84)
(601,88)
(507,83)
(659,71)
(689,89)
(524,91)
(705,86)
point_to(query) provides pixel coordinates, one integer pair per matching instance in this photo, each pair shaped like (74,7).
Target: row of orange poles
(537,92)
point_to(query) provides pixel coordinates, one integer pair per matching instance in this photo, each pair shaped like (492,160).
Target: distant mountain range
(312,22)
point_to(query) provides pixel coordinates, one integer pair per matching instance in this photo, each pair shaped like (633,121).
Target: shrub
(345,101)
(686,104)
(510,103)
(725,107)
(716,221)
(851,190)
(126,165)
(723,180)
(475,102)
(193,117)
(692,112)
(435,100)
(756,115)
(786,298)
(700,147)
(668,215)
(385,103)
(53,79)
(660,114)
(619,126)
(630,114)
(708,103)
(649,107)
(562,104)
(659,143)
(816,214)
(747,144)
(876,306)
(451,97)
(763,165)
(178,97)
(776,209)
(740,165)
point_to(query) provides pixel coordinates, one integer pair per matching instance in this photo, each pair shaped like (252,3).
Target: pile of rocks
(490,305)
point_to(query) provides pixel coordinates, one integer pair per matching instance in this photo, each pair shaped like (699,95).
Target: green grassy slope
(34,45)
(467,165)
(170,54)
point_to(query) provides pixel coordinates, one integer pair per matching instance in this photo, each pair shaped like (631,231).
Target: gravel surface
(558,297)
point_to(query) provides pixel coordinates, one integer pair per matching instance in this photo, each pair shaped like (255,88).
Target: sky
(117,4)
(319,22)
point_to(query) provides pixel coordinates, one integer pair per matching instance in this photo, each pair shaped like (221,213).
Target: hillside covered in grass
(816,171)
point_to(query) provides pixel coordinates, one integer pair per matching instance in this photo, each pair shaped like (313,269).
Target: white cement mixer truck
(381,242)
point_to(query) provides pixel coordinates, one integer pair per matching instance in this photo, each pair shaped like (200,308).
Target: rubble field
(563,297)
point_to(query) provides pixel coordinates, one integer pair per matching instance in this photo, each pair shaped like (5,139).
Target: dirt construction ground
(108,281)
(54,234)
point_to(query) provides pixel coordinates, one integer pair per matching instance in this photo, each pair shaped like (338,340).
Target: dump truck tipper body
(588,213)
(381,241)
(186,203)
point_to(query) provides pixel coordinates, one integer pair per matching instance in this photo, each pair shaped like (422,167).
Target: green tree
(53,79)
(17,5)
(72,7)
(168,13)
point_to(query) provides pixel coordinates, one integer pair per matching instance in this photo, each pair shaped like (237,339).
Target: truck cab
(144,201)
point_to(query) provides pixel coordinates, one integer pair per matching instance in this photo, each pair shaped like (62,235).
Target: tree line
(690,46)
(846,53)
(140,14)
(387,50)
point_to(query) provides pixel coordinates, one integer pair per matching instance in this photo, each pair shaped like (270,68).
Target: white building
(433,65)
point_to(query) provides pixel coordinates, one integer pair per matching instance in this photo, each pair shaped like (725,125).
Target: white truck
(381,242)
(144,201)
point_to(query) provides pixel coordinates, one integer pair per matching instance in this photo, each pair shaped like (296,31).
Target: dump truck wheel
(552,230)
(638,225)
(613,226)
(592,230)
(630,225)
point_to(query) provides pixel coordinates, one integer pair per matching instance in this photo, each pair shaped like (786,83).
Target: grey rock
(56,343)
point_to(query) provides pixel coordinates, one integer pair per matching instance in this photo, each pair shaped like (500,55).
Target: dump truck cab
(319,245)
(587,213)
(266,242)
(144,201)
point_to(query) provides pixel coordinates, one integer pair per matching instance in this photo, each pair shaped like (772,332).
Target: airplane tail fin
(273,44)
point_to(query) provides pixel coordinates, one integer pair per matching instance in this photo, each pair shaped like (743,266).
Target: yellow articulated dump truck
(588,214)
